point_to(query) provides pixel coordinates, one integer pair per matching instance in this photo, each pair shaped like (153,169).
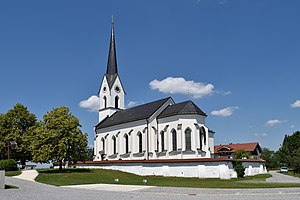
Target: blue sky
(240,59)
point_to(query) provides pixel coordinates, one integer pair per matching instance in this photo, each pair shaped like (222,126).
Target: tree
(271,158)
(58,138)
(14,126)
(289,152)
(241,153)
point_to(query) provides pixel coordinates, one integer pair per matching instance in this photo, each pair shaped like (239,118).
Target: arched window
(162,136)
(202,136)
(188,142)
(103,144)
(126,143)
(114,141)
(105,102)
(140,142)
(116,102)
(174,140)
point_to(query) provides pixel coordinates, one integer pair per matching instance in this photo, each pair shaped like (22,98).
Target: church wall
(119,131)
(180,123)
(219,169)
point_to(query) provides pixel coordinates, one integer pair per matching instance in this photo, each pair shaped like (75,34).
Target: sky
(238,60)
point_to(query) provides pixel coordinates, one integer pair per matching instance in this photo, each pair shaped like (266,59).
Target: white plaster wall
(186,121)
(119,131)
(222,170)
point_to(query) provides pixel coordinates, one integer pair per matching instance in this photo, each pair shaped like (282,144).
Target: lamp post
(11,145)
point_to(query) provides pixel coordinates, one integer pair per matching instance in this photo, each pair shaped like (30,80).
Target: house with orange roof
(228,150)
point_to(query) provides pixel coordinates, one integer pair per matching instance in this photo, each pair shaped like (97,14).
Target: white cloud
(296,104)
(260,134)
(274,122)
(292,126)
(178,85)
(225,112)
(131,104)
(92,104)
(227,93)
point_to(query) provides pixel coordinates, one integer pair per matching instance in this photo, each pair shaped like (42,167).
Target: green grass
(290,173)
(93,176)
(13,173)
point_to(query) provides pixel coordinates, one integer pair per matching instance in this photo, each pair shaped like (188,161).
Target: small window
(103,145)
(105,102)
(126,143)
(116,102)
(114,144)
(174,140)
(162,136)
(140,142)
(188,142)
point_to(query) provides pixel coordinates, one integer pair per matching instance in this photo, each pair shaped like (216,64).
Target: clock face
(104,89)
(117,89)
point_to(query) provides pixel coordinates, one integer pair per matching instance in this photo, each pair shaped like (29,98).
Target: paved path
(29,190)
(281,178)
(110,187)
(29,175)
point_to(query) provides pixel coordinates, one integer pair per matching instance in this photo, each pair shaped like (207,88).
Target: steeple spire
(112,57)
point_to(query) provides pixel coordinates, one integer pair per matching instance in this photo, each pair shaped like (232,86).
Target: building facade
(160,129)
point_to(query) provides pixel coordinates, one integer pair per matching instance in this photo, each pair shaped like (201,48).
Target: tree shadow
(68,170)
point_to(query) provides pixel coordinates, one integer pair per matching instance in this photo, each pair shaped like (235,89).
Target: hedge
(8,165)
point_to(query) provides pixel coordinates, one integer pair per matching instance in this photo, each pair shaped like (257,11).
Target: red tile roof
(231,148)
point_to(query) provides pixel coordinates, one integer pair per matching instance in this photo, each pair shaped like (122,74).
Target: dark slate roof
(184,108)
(132,114)
(112,54)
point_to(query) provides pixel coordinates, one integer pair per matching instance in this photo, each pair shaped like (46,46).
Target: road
(29,190)
(282,178)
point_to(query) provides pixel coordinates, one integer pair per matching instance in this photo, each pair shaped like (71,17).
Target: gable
(144,111)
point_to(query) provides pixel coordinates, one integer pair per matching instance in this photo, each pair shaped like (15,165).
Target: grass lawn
(13,173)
(93,176)
(290,173)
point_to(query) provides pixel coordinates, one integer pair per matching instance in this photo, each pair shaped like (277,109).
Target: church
(161,138)
(160,129)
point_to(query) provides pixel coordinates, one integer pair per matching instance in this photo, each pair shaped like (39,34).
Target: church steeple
(111,91)
(112,68)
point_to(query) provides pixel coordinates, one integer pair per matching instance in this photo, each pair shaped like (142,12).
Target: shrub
(8,165)
(238,168)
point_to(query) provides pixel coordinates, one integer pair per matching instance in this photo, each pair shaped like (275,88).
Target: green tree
(58,138)
(241,153)
(289,152)
(14,126)
(271,158)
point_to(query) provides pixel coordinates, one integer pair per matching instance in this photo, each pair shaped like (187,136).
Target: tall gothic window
(126,143)
(202,136)
(116,102)
(114,144)
(174,140)
(105,102)
(140,142)
(162,135)
(103,144)
(188,145)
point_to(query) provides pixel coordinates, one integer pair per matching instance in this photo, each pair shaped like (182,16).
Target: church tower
(111,92)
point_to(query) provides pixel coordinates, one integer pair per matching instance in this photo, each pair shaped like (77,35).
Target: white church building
(157,138)
(160,129)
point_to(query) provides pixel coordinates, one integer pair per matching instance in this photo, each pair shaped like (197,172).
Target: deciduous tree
(58,138)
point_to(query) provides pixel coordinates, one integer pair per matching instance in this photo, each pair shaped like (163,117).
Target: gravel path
(29,175)
(281,178)
(29,190)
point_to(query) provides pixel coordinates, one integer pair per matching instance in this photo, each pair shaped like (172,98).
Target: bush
(238,168)
(8,165)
